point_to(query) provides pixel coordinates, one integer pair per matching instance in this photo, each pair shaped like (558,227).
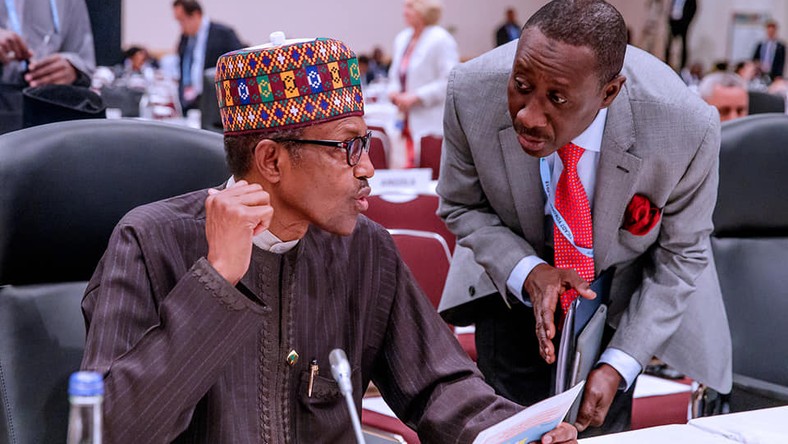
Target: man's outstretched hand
(544,285)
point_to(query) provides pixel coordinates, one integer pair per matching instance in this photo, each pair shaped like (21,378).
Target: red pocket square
(641,215)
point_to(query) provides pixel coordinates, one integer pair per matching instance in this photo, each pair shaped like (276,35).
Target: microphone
(340,370)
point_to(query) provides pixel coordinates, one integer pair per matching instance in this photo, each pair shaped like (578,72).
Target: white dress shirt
(591,141)
(198,55)
(677,10)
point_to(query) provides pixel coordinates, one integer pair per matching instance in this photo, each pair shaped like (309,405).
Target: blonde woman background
(424,53)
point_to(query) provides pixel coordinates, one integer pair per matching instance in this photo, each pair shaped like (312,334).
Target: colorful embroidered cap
(287,84)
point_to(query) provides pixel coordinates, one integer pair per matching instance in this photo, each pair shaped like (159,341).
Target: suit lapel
(522,171)
(616,176)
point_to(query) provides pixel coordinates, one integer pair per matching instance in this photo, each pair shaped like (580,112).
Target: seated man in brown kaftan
(207,309)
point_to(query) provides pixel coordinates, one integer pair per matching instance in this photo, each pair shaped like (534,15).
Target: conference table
(659,402)
(765,426)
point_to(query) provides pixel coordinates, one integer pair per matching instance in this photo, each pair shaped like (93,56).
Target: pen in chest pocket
(313,372)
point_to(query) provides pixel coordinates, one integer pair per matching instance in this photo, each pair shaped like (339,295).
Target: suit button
(472,291)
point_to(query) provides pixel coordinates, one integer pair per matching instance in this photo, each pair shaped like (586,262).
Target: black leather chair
(210,119)
(763,102)
(750,246)
(64,187)
(126,99)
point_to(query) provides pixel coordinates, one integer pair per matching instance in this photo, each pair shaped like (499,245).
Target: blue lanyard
(558,220)
(55,17)
(13,17)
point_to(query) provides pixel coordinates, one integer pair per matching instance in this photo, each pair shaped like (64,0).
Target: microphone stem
(351,406)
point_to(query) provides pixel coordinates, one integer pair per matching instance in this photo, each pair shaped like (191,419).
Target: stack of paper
(533,422)
(765,426)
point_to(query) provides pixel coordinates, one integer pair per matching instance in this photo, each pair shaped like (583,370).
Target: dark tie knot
(570,154)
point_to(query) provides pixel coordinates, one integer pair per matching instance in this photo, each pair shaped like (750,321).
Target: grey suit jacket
(659,141)
(74,41)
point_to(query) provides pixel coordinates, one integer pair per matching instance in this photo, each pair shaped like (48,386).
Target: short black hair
(239,149)
(189,6)
(594,24)
(131,51)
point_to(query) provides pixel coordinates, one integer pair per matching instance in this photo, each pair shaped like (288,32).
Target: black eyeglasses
(354,147)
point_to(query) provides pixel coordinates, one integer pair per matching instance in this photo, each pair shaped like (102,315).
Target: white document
(533,422)
(672,434)
(765,426)
(648,385)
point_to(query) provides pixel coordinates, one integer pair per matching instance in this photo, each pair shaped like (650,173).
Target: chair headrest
(66,185)
(763,102)
(58,103)
(753,180)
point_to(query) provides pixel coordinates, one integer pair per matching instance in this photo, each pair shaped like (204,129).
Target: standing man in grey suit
(647,153)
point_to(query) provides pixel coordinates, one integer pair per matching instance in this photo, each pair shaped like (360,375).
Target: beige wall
(366,23)
(360,23)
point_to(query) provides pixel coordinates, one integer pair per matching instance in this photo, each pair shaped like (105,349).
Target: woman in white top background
(423,55)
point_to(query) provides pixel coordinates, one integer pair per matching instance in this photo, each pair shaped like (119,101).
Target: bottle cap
(85,384)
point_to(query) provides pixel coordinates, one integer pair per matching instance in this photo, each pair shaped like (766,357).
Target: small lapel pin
(292,357)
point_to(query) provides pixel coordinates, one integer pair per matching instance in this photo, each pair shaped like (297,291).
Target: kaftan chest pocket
(323,416)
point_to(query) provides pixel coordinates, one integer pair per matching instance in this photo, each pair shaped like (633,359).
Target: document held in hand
(581,339)
(533,422)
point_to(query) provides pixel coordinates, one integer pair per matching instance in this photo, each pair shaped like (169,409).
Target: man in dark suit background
(202,42)
(509,31)
(680,16)
(770,53)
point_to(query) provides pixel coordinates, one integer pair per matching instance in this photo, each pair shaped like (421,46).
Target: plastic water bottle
(85,393)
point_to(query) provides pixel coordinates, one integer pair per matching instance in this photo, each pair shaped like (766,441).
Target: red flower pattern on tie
(571,202)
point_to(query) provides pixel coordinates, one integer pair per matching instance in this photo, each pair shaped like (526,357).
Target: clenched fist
(233,217)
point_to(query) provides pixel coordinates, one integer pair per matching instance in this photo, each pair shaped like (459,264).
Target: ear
(611,90)
(267,159)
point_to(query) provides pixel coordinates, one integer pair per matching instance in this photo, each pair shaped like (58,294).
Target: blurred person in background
(747,70)
(424,53)
(42,42)
(770,53)
(680,16)
(720,66)
(693,74)
(363,70)
(727,92)
(136,60)
(510,30)
(378,65)
(202,42)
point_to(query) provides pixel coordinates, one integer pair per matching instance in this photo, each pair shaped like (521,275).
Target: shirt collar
(591,138)
(204,25)
(266,240)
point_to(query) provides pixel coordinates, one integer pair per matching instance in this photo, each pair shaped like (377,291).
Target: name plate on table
(406,181)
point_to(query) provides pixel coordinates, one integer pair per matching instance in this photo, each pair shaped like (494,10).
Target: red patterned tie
(571,202)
